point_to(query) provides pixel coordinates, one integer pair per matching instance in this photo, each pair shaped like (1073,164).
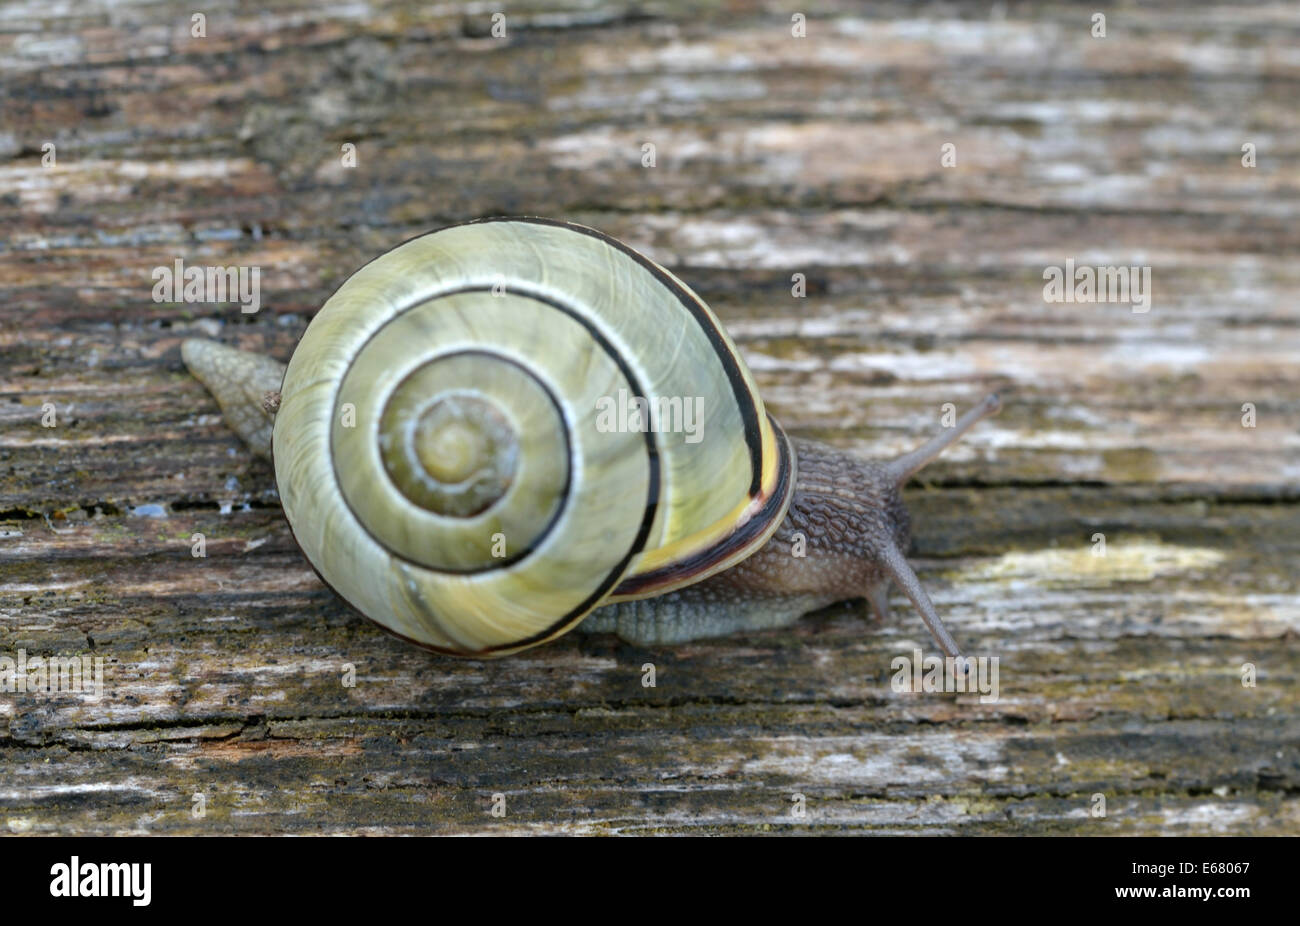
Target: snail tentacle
(905,467)
(878,598)
(900,570)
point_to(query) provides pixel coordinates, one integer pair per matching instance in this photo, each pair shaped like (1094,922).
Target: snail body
(446,459)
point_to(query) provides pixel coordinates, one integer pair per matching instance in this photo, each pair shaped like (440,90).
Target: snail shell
(438,451)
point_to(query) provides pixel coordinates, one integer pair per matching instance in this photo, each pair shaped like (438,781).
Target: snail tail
(245,385)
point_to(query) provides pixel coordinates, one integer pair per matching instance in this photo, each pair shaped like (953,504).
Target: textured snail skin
(484,348)
(844,509)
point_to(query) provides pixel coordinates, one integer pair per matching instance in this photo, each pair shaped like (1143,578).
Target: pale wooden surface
(775,156)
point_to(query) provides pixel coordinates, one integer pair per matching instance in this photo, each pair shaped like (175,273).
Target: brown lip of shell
(675,572)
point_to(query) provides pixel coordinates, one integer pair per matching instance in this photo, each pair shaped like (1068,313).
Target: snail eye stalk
(905,467)
(891,557)
(894,563)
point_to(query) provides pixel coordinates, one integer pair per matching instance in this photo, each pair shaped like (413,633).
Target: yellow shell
(458,450)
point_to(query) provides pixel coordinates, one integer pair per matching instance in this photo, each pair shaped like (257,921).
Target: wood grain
(1120,675)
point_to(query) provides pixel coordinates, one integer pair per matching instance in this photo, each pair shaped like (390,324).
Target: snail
(449,459)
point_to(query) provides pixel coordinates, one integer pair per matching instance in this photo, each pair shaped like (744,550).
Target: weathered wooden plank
(1120,675)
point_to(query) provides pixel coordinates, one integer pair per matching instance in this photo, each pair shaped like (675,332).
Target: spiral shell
(440,456)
